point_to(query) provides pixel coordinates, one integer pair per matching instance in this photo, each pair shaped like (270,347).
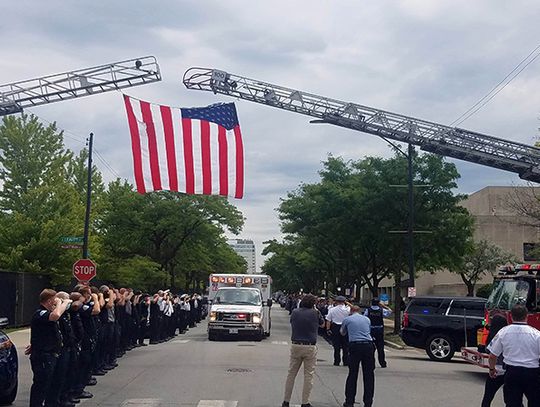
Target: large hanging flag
(195,150)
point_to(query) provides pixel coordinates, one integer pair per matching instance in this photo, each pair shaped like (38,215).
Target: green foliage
(146,241)
(339,230)
(484,291)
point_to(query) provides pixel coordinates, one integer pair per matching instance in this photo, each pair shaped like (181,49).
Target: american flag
(191,150)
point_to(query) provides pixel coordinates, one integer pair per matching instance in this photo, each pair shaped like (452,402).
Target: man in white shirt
(519,344)
(334,319)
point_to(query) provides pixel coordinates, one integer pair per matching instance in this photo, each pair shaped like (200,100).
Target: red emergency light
(215,279)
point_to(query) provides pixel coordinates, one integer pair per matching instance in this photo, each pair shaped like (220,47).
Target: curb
(393,345)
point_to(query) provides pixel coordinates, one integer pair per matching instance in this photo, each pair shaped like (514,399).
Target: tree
(484,258)
(38,203)
(345,221)
(168,228)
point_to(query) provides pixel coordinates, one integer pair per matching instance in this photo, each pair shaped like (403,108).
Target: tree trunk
(470,289)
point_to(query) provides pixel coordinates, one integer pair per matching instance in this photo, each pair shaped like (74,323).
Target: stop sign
(84,270)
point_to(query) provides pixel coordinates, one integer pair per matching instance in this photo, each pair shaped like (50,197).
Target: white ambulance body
(240,305)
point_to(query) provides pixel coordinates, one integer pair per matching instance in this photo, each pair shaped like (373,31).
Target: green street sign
(71,239)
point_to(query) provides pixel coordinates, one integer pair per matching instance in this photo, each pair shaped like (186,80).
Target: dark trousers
(60,376)
(363,353)
(491,388)
(340,343)
(43,366)
(378,337)
(85,367)
(519,382)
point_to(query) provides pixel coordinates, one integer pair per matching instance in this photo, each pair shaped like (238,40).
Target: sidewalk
(20,338)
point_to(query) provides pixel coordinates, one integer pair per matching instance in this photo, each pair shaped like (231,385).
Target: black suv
(442,325)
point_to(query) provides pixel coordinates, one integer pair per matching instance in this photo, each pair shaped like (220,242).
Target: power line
(73,136)
(499,87)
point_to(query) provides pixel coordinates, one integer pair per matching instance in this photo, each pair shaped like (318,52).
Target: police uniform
(357,328)
(376,314)
(46,345)
(519,344)
(336,315)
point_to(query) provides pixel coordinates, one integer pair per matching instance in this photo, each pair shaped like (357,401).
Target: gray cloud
(430,60)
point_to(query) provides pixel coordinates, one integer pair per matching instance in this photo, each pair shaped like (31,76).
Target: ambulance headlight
(213,316)
(256,318)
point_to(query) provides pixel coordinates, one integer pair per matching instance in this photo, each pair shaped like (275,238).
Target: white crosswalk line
(181,341)
(141,403)
(280,343)
(217,403)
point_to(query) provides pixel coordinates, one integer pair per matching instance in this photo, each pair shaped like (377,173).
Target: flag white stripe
(179,148)
(214,157)
(197,155)
(161,149)
(231,161)
(145,153)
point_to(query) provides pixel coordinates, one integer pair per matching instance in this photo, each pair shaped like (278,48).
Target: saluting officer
(376,313)
(519,344)
(45,345)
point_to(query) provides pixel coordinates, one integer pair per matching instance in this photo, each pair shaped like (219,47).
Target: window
(530,252)
(508,293)
(425,306)
(467,308)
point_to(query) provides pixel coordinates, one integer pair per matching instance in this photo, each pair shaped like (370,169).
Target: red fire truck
(512,285)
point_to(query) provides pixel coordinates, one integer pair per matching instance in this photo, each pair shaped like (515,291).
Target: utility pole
(88,198)
(410,226)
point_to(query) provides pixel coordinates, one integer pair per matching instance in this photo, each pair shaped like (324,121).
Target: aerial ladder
(16,96)
(429,136)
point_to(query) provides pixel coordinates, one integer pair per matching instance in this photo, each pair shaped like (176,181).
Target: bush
(484,291)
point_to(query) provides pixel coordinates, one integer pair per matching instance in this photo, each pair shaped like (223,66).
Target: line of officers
(80,335)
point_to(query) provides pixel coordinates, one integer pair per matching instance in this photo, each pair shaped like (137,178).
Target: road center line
(217,403)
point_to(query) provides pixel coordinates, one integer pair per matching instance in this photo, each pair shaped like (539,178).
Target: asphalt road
(191,371)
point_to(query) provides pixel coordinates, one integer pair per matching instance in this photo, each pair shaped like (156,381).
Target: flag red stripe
(168,131)
(152,145)
(223,164)
(135,146)
(205,158)
(239,163)
(188,156)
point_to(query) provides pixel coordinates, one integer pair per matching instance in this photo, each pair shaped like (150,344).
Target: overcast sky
(424,58)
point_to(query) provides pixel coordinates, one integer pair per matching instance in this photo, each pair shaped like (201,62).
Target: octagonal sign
(84,270)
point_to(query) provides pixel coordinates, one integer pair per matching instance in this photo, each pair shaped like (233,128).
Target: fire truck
(513,285)
(240,305)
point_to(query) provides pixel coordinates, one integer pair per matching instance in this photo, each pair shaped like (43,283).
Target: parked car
(9,367)
(442,325)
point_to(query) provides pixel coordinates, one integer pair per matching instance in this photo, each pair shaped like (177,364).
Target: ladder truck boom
(14,97)
(429,136)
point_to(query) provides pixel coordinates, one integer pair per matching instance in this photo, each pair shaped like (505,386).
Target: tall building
(246,249)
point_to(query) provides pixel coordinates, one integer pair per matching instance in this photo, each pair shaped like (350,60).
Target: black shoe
(85,395)
(306,405)
(92,382)
(67,404)
(74,400)
(154,342)
(285,404)
(384,365)
(99,373)
(348,405)
(336,364)
(143,344)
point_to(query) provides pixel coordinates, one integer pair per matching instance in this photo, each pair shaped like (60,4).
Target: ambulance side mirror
(269,302)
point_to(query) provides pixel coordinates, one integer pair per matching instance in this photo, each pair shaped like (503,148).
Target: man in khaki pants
(305,322)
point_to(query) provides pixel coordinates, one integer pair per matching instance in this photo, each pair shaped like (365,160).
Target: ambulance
(240,305)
